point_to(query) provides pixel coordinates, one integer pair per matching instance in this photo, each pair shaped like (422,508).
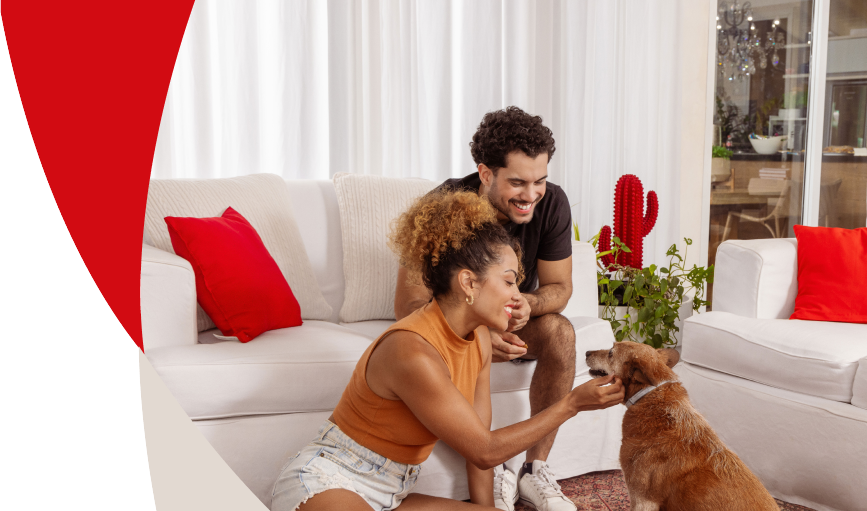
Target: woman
(428,376)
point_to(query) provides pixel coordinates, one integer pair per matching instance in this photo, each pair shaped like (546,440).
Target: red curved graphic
(93,78)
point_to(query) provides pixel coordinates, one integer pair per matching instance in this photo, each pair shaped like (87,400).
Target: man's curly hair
(446,231)
(507,130)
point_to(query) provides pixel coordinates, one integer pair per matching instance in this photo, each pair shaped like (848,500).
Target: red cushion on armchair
(237,281)
(832,274)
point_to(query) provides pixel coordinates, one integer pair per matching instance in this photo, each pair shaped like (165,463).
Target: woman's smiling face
(496,294)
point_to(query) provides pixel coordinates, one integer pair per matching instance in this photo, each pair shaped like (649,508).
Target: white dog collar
(645,391)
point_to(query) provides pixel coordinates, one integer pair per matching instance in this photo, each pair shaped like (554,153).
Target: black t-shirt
(547,236)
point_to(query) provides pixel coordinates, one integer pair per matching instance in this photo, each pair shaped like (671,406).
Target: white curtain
(309,88)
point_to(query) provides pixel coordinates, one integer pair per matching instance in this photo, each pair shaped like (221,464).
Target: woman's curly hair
(446,231)
(507,130)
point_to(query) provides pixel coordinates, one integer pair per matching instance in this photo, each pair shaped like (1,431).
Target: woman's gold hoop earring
(470,299)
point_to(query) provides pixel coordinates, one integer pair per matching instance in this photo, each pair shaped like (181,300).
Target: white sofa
(258,403)
(788,396)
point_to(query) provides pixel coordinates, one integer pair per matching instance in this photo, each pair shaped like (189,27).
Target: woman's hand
(597,394)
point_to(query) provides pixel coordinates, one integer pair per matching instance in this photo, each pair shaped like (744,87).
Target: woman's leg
(344,500)
(419,502)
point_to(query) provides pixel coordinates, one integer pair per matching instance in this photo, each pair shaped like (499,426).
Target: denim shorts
(335,461)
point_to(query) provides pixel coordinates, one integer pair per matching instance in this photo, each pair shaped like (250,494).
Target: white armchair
(788,396)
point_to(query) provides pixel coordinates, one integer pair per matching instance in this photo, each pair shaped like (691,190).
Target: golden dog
(671,458)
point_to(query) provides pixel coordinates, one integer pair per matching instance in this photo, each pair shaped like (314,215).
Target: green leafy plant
(653,295)
(722,152)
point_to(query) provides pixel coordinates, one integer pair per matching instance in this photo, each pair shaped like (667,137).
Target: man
(511,150)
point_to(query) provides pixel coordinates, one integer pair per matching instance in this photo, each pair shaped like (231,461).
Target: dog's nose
(587,354)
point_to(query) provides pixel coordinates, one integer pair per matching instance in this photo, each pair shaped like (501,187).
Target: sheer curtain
(306,89)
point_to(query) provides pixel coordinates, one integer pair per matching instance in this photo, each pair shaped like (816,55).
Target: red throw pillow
(237,281)
(832,274)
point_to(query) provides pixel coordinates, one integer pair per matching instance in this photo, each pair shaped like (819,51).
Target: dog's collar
(645,391)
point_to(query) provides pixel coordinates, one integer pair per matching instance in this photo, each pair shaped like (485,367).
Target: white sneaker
(505,488)
(540,490)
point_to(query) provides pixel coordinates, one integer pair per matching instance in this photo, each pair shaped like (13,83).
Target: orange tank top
(388,427)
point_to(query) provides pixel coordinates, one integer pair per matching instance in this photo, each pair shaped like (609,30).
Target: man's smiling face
(516,188)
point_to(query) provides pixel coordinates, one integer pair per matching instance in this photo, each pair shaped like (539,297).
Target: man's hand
(506,346)
(520,313)
(596,394)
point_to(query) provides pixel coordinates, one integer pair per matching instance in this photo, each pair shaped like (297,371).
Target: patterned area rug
(606,491)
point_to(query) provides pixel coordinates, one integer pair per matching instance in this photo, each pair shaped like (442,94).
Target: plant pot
(720,170)
(684,312)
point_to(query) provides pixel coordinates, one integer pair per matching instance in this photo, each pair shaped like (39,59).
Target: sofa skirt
(806,450)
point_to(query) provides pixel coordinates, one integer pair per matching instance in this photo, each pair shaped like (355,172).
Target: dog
(671,458)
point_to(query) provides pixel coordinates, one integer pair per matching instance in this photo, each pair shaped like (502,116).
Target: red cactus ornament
(604,245)
(631,222)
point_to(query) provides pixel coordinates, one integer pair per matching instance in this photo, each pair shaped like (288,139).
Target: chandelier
(739,49)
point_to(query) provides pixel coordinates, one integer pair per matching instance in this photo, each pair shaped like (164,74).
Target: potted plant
(721,165)
(649,304)
(643,304)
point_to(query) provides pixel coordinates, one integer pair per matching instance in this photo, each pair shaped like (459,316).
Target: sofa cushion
(316,202)
(756,278)
(264,201)
(811,357)
(859,387)
(368,204)
(298,369)
(823,296)
(237,281)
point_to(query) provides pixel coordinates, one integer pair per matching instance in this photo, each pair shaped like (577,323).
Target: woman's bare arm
(481,482)
(406,367)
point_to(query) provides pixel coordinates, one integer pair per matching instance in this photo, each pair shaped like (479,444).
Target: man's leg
(551,341)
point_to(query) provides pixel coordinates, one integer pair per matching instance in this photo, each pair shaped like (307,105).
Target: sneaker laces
(544,480)
(501,485)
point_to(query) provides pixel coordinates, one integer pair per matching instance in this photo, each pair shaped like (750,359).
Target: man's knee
(558,332)
(557,326)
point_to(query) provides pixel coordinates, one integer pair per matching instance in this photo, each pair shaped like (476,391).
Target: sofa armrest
(584,300)
(168,299)
(756,278)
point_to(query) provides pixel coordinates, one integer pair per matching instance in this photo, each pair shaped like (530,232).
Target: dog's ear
(637,375)
(671,356)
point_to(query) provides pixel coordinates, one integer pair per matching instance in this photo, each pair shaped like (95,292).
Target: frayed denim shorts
(335,461)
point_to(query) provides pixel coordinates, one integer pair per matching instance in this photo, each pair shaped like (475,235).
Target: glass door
(761,121)
(843,183)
